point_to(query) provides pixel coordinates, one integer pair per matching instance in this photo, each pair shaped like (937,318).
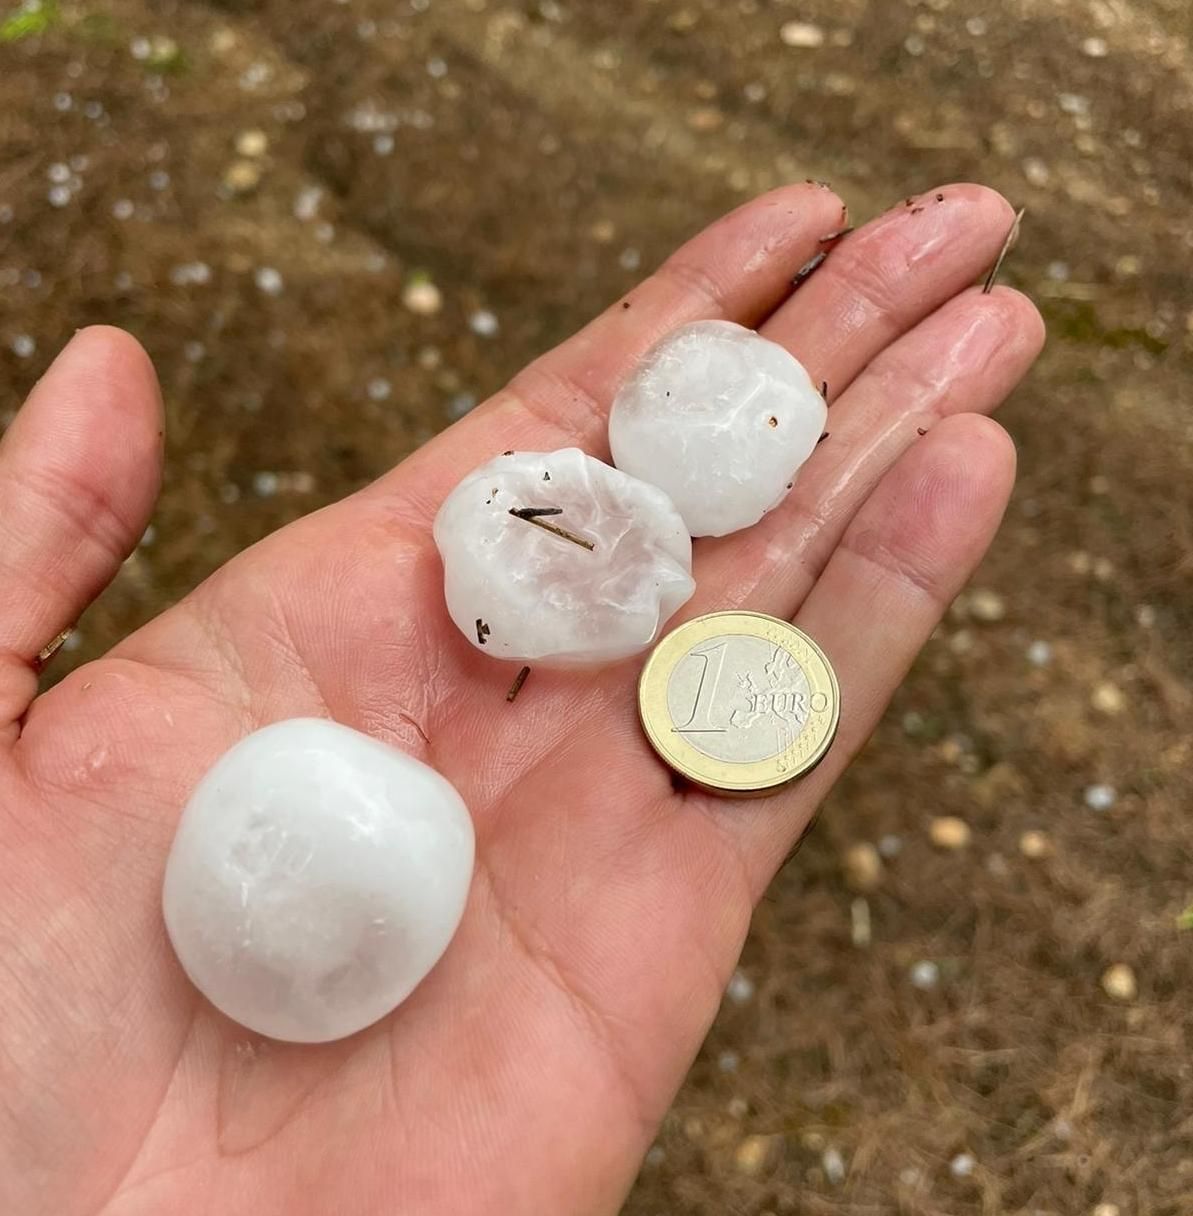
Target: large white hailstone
(316,877)
(519,589)
(720,418)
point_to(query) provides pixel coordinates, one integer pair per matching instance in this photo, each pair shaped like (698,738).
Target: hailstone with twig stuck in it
(720,418)
(558,558)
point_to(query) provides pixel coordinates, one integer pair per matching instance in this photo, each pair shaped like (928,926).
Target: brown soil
(541,152)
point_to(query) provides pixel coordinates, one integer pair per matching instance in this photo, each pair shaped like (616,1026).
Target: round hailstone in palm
(720,418)
(559,558)
(317,875)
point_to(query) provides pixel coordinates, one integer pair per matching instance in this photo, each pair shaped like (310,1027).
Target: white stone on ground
(317,875)
(721,419)
(519,592)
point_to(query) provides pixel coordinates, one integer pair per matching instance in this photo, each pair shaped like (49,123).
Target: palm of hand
(530,1069)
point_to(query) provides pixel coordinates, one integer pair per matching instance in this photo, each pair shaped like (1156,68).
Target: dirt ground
(1001,1026)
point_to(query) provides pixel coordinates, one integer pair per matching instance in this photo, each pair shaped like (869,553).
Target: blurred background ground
(336,226)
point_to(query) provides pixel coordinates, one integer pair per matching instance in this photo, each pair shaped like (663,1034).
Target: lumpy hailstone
(720,418)
(316,877)
(520,592)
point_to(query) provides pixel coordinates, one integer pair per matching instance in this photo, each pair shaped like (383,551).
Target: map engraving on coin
(739,702)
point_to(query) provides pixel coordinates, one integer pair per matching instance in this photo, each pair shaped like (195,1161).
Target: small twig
(482,631)
(535,512)
(834,237)
(554,529)
(824,389)
(46,653)
(822,438)
(809,268)
(516,687)
(992,277)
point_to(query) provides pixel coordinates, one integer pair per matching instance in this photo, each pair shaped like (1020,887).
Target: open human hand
(530,1070)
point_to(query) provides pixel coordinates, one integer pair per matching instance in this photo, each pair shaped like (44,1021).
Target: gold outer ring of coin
(750,778)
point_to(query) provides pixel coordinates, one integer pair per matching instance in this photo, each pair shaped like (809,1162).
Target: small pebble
(859,923)
(484,322)
(738,1108)
(306,203)
(461,404)
(962,1165)
(801,34)
(986,605)
(862,866)
(655,1156)
(1036,171)
(269,281)
(421,296)
(1108,699)
(890,846)
(242,177)
(949,832)
(123,209)
(961,642)
(379,389)
(996,866)
(1106,1209)
(728,1061)
(740,989)
(925,975)
(23,346)
(629,258)
(1095,48)
(252,144)
(833,1165)
(197,273)
(756,1153)
(265,485)
(1100,797)
(1118,982)
(706,118)
(1039,654)
(1034,845)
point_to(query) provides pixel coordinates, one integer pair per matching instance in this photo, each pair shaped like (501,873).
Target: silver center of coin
(740,699)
